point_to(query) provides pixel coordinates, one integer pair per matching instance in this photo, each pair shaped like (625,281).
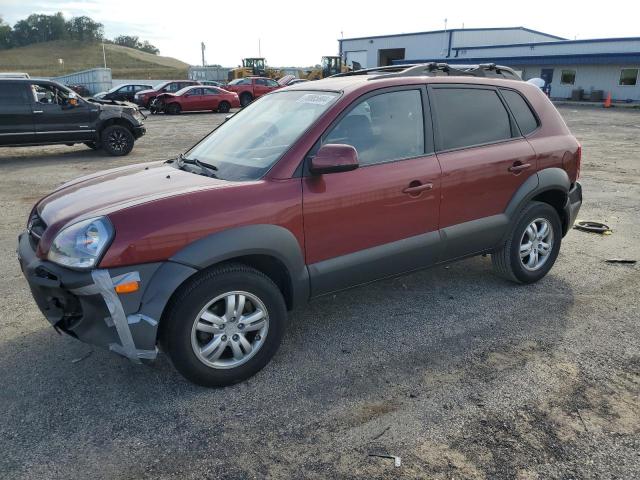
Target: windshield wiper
(182,160)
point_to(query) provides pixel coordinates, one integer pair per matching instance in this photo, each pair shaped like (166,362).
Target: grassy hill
(41,59)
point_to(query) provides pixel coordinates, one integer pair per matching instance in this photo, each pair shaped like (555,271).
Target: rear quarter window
(525,118)
(470,116)
(13,94)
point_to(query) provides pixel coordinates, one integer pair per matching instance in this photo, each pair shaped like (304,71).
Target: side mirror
(334,158)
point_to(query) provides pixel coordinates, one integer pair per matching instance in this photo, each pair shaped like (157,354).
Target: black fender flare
(269,240)
(543,181)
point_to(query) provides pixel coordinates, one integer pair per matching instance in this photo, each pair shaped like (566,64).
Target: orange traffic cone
(607,102)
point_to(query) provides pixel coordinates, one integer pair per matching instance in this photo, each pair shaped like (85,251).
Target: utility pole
(104,56)
(259,50)
(203,47)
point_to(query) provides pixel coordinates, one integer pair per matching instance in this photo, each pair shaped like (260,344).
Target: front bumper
(572,207)
(85,305)
(139,131)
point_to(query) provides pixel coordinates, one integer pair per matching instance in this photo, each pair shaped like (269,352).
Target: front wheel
(173,109)
(224,326)
(117,140)
(533,245)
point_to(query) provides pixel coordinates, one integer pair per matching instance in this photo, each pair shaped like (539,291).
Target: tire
(173,109)
(117,140)
(224,107)
(92,145)
(185,332)
(245,99)
(149,102)
(509,262)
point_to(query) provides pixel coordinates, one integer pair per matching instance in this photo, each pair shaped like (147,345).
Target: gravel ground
(457,372)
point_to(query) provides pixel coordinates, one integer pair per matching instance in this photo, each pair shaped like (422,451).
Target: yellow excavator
(331,65)
(254,66)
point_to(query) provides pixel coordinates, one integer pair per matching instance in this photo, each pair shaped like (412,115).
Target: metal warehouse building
(595,66)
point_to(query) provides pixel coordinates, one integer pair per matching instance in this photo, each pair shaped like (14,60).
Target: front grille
(35,229)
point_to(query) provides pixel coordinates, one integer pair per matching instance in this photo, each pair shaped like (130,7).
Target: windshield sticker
(315,99)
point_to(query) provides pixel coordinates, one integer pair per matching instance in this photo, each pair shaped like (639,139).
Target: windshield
(238,81)
(249,143)
(160,85)
(184,90)
(114,89)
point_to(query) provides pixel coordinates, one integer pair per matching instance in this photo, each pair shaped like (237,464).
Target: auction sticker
(315,99)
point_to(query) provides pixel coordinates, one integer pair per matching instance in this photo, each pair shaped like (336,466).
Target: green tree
(6,34)
(85,29)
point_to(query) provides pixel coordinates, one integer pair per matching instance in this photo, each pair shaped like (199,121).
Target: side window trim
(429,149)
(526,101)
(436,129)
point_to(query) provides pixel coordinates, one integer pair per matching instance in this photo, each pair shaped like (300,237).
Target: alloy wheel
(117,141)
(229,330)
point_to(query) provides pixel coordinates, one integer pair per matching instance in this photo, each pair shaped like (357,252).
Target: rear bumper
(572,207)
(85,305)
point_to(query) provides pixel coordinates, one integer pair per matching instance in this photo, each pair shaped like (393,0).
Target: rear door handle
(518,167)
(414,189)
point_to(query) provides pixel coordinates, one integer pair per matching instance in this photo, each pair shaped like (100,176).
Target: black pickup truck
(43,112)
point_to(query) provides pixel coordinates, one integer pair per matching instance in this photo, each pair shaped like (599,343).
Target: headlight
(82,244)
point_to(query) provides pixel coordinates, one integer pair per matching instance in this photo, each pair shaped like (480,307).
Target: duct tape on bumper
(104,285)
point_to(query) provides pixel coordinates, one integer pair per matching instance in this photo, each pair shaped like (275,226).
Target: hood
(117,189)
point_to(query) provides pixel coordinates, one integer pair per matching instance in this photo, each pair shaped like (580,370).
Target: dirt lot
(454,370)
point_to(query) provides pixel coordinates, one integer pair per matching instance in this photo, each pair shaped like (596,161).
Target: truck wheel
(92,145)
(224,107)
(117,140)
(173,109)
(224,325)
(245,99)
(533,245)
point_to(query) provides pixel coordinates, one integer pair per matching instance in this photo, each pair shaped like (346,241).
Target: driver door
(57,119)
(382,218)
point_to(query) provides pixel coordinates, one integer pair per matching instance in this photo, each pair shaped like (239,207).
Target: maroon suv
(144,98)
(310,190)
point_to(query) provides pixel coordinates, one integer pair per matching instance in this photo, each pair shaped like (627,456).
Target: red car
(310,190)
(250,88)
(144,98)
(194,98)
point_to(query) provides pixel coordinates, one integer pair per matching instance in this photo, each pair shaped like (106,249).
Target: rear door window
(382,128)
(13,94)
(470,116)
(520,109)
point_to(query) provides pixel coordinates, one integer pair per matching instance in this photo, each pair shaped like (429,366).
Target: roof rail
(436,68)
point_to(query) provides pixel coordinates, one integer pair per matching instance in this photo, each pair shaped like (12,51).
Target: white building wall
(561,48)
(468,38)
(589,77)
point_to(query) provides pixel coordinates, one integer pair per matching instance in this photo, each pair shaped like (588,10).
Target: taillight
(578,161)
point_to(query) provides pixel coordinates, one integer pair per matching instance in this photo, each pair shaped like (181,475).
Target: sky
(298,33)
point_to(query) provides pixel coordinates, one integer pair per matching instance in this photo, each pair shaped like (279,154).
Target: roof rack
(436,69)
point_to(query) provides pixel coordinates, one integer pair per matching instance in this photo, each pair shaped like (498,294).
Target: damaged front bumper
(85,305)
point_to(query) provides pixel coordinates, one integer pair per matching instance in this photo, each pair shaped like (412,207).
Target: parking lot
(457,372)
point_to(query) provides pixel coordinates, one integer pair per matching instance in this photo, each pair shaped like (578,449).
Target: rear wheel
(173,108)
(533,245)
(117,140)
(245,99)
(224,107)
(224,326)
